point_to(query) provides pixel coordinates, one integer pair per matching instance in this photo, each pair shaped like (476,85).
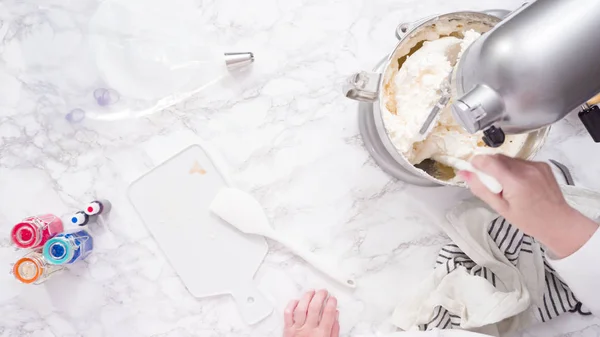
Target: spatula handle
(252,305)
(487,180)
(316,261)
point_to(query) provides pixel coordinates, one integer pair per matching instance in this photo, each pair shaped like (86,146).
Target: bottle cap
(27,270)
(93,208)
(25,235)
(58,250)
(97,207)
(80,218)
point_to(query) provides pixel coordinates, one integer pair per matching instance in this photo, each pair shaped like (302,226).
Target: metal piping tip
(237,60)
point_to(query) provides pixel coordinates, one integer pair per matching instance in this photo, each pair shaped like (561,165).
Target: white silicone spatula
(490,182)
(243,211)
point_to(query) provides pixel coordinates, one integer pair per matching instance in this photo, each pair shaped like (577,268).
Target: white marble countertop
(287,135)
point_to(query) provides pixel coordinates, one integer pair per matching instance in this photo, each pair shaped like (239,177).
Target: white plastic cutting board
(210,256)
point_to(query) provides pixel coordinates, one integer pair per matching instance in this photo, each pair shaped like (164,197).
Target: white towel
(494,279)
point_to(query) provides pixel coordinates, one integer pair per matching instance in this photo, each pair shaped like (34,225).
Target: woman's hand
(314,315)
(532,201)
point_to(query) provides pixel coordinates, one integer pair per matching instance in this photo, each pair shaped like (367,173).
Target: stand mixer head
(531,70)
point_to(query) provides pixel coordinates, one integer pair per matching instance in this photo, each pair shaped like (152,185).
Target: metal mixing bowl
(367,87)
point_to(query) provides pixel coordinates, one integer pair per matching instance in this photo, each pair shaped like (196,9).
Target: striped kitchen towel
(492,279)
(557,298)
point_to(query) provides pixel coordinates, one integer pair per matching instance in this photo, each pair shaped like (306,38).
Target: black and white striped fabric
(557,298)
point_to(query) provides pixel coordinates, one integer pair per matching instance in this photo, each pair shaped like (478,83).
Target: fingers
(314,311)
(288,314)
(335,332)
(329,316)
(302,308)
(315,308)
(496,201)
(498,166)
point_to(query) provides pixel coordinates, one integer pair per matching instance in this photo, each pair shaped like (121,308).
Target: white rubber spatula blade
(244,212)
(241,210)
(490,182)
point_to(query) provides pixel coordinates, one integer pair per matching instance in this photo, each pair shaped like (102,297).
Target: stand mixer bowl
(367,88)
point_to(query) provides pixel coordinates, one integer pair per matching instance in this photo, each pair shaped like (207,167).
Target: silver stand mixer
(531,70)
